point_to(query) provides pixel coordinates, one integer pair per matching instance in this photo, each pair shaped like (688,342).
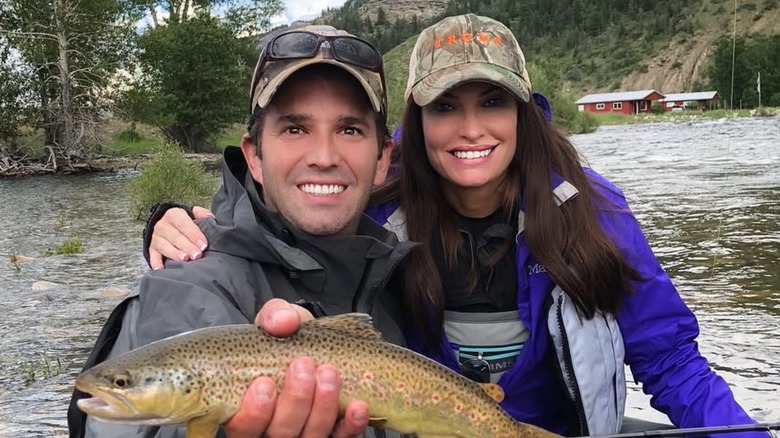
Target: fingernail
(304,369)
(327,378)
(360,415)
(195,255)
(264,391)
(156,267)
(280,315)
(202,245)
(183,256)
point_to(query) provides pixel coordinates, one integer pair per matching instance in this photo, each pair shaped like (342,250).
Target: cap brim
(434,85)
(267,92)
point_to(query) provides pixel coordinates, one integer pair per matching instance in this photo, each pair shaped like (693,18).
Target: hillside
(595,46)
(678,65)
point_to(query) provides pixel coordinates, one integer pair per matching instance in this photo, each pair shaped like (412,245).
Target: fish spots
(217,365)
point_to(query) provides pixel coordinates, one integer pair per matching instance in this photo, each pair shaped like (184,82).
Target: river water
(706,193)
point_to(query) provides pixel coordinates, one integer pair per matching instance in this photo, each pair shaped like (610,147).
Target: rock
(21,258)
(114,292)
(44,285)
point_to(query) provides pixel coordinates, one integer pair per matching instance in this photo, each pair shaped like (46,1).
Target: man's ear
(384,163)
(252,159)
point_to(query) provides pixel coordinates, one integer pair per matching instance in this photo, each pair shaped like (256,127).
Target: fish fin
(354,324)
(494,391)
(377,421)
(205,426)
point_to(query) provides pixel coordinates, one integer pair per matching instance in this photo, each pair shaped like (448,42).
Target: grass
(621,119)
(149,139)
(232,137)
(126,139)
(614,118)
(15,263)
(44,369)
(396,73)
(70,246)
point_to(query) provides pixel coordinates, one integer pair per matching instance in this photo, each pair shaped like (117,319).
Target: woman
(532,270)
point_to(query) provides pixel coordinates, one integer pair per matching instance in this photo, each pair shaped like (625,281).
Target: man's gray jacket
(253,256)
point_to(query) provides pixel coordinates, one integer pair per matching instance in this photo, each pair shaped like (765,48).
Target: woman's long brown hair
(567,240)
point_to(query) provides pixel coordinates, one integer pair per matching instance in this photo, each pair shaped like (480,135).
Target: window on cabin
(617,105)
(599,106)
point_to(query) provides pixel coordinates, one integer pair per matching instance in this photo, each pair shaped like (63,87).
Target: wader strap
(76,418)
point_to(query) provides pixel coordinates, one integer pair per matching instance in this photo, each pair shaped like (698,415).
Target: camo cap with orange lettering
(466,48)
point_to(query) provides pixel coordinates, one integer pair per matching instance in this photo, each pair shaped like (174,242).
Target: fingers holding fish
(281,318)
(295,402)
(355,420)
(323,417)
(256,411)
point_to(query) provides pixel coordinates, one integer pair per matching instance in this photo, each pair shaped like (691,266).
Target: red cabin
(628,102)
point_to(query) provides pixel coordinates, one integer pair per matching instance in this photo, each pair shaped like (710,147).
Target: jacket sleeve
(192,295)
(182,297)
(156,212)
(659,333)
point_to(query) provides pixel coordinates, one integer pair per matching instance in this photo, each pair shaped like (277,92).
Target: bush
(583,123)
(130,135)
(70,246)
(692,105)
(169,175)
(657,107)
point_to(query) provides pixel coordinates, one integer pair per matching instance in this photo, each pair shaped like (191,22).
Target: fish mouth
(112,407)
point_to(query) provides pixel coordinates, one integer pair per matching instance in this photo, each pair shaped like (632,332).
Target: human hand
(175,236)
(308,404)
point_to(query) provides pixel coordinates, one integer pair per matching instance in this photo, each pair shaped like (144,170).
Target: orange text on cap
(466,37)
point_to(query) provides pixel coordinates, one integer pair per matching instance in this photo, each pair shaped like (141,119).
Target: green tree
(195,65)
(194,79)
(760,53)
(14,101)
(75,48)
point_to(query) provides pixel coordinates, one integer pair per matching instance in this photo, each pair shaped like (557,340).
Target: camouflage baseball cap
(271,71)
(466,48)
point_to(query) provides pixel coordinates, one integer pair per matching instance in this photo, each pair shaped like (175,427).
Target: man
(287,224)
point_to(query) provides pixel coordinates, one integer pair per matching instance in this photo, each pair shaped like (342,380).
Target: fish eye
(121,381)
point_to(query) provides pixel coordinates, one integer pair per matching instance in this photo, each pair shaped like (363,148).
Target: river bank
(98,164)
(130,155)
(685,116)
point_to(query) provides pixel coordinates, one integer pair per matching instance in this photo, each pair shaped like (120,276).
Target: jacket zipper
(568,370)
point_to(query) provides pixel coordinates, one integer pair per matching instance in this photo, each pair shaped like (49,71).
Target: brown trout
(199,379)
